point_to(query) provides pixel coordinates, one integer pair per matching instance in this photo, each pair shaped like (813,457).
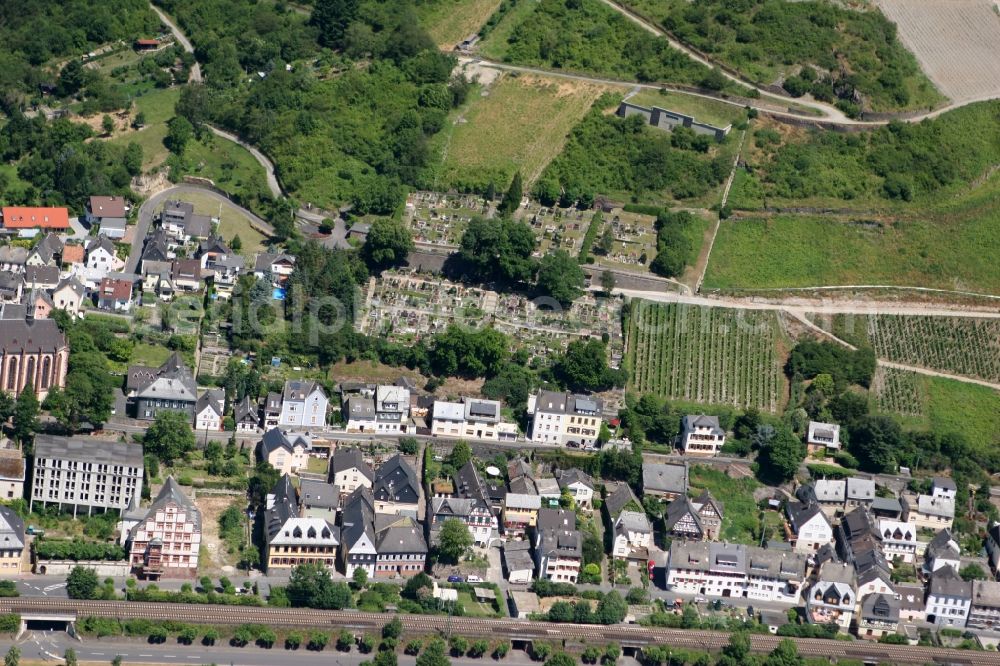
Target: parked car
(700,600)
(455,579)
(473,579)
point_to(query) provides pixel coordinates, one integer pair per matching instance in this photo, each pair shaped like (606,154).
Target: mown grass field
(158,108)
(703,110)
(954,250)
(451,21)
(232,221)
(717,356)
(519,123)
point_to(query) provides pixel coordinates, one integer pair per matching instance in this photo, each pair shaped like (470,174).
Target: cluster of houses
(182,255)
(844,541)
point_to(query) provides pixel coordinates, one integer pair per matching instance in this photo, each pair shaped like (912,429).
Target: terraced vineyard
(958,345)
(703,354)
(897,391)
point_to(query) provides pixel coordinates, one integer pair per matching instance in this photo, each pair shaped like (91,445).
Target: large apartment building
(721,570)
(85,473)
(565,418)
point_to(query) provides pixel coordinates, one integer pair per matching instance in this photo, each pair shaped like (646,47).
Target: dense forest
(859,58)
(586,36)
(899,161)
(34,32)
(336,131)
(606,154)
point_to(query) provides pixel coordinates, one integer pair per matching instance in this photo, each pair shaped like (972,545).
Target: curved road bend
(151,206)
(272,181)
(195,74)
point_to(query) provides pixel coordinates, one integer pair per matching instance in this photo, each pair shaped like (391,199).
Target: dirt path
(195,74)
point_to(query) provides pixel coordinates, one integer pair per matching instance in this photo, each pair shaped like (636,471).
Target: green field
(149,355)
(703,110)
(450,21)
(717,356)
(740,519)
(158,108)
(229,165)
(946,251)
(484,143)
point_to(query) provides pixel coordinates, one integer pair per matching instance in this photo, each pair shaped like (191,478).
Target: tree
(560,276)
(345,640)
(454,540)
(26,415)
(786,654)
(293,640)
(434,654)
(498,250)
(972,571)
(236,244)
(210,636)
(608,282)
(611,653)
(179,134)
(874,442)
(584,367)
(117,661)
(333,17)
(779,460)
(310,586)
(560,659)
(673,250)
(737,652)
(512,197)
(607,241)
(478,648)
(70,657)
(458,646)
(318,640)
(360,577)
(170,437)
(13,656)
(611,609)
(139,121)
(409,445)
(71,78)
(460,454)
(82,583)
(393,628)
(388,243)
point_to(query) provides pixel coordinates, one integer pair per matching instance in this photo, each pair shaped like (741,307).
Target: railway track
(570,634)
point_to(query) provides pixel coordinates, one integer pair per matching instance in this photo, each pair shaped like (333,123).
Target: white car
(473,579)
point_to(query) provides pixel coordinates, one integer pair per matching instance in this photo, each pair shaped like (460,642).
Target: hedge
(77,550)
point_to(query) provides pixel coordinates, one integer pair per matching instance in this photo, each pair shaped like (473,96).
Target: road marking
(145,655)
(97,654)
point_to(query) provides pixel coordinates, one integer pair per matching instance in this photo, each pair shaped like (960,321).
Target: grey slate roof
(214,398)
(283,504)
(319,494)
(555,519)
(681,506)
(398,534)
(619,498)
(358,517)
(883,607)
(88,449)
(561,543)
(274,439)
(396,481)
(947,583)
(943,545)
(523,485)
(665,478)
(18,335)
(359,408)
(348,458)
(11,529)
(799,513)
(300,390)
(171,381)
(633,521)
(570,476)
(887,504)
(171,493)
(246,410)
(692,422)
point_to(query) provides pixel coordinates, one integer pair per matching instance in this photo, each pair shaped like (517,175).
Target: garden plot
(406,306)
(705,354)
(956,43)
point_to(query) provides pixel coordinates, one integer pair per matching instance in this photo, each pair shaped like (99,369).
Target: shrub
(10,622)
(318,640)
(293,641)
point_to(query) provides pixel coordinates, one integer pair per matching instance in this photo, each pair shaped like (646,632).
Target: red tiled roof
(17,217)
(73,254)
(119,290)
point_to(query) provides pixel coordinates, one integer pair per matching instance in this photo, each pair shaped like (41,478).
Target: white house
(810,525)
(208,411)
(943,551)
(68,295)
(899,540)
(823,436)
(447,419)
(578,484)
(565,418)
(392,408)
(349,471)
(928,511)
(633,535)
(833,597)
(303,405)
(723,570)
(943,487)
(361,415)
(101,256)
(948,598)
(702,435)
(287,452)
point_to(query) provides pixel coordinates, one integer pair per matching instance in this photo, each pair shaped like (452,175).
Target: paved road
(272,181)
(195,74)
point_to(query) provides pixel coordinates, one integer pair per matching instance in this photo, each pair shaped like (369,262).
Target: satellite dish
(493,471)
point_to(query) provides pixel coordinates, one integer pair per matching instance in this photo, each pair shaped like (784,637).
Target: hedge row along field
(959,345)
(703,354)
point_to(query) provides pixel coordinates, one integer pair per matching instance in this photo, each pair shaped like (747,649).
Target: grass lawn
(741,521)
(451,21)
(972,410)
(8,173)
(229,165)
(158,107)
(317,465)
(518,123)
(233,223)
(475,608)
(947,249)
(149,355)
(703,110)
